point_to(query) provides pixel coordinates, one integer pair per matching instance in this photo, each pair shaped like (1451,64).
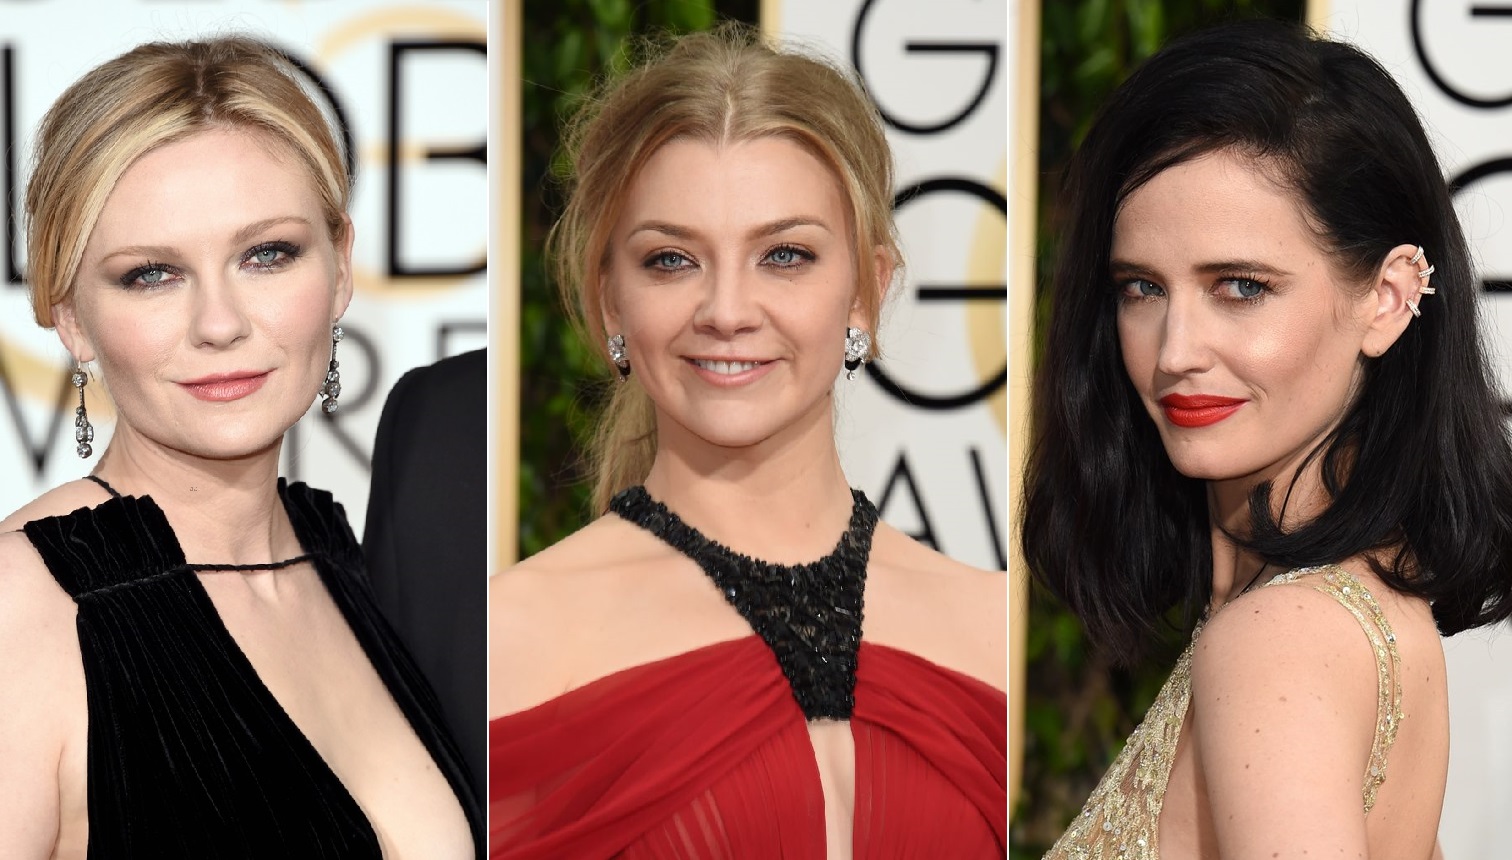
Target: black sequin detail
(808,614)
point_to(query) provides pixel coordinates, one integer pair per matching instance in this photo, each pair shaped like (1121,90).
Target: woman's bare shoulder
(908,564)
(944,610)
(1320,619)
(41,693)
(552,574)
(57,502)
(594,551)
(35,612)
(1285,697)
(1289,630)
(548,609)
(892,546)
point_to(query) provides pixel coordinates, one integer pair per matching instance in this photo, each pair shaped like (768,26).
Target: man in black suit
(426,536)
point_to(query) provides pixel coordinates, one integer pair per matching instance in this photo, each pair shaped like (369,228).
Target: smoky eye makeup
(263,257)
(270,256)
(147,276)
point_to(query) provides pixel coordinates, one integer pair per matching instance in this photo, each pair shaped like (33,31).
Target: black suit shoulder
(426,535)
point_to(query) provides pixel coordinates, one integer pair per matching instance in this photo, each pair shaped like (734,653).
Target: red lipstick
(1199,410)
(226,387)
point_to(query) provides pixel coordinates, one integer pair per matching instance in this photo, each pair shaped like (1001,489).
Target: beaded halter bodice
(1121,820)
(808,614)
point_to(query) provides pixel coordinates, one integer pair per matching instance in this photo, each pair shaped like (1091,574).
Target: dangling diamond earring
(83,430)
(857,348)
(331,388)
(620,355)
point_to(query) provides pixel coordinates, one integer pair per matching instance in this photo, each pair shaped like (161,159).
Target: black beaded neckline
(808,614)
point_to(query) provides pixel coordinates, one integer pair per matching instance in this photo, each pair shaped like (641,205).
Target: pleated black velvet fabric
(189,753)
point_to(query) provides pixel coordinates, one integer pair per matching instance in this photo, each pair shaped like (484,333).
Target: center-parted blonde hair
(155,94)
(719,87)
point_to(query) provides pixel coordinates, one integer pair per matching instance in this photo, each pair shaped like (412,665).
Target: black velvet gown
(189,753)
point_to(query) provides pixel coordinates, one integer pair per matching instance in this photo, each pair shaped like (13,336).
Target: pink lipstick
(226,387)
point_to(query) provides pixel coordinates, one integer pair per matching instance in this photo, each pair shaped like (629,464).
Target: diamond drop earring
(83,430)
(620,355)
(331,388)
(857,348)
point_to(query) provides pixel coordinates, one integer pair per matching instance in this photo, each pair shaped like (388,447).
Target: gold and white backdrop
(1452,59)
(923,430)
(409,83)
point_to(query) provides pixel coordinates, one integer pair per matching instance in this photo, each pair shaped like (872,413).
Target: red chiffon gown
(706,756)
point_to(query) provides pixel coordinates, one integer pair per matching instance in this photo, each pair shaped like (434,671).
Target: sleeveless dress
(707,755)
(189,754)
(1121,820)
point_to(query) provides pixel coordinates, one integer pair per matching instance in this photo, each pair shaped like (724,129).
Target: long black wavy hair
(1420,468)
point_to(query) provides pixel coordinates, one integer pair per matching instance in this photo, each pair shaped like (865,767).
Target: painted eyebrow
(245,234)
(771,228)
(1128,268)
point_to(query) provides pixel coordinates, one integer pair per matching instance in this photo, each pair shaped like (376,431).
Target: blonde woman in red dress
(738,659)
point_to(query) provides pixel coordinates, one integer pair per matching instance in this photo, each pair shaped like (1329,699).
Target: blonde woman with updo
(190,663)
(738,659)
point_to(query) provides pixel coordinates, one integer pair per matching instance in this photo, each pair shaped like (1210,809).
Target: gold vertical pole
(1022,191)
(504,142)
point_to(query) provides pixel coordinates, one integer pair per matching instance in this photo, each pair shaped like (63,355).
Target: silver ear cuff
(1423,289)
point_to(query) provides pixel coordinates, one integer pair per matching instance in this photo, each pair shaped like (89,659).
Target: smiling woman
(737,659)
(731,271)
(194,665)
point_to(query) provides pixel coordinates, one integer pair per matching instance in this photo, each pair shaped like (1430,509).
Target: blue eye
(668,261)
(271,255)
(146,277)
(1139,288)
(1244,289)
(788,256)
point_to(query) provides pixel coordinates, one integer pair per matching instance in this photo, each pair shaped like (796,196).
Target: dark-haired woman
(1264,400)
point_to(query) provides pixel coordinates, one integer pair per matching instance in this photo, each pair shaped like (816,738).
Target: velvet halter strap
(114,494)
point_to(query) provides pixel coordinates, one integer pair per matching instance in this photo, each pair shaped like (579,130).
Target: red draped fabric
(706,756)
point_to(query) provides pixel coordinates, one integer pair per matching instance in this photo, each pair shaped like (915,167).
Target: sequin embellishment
(808,614)
(1122,817)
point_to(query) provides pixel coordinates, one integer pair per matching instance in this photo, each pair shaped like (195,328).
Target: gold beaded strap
(1343,587)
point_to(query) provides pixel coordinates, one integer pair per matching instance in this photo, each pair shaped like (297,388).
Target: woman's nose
(219,317)
(1185,345)
(729,304)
